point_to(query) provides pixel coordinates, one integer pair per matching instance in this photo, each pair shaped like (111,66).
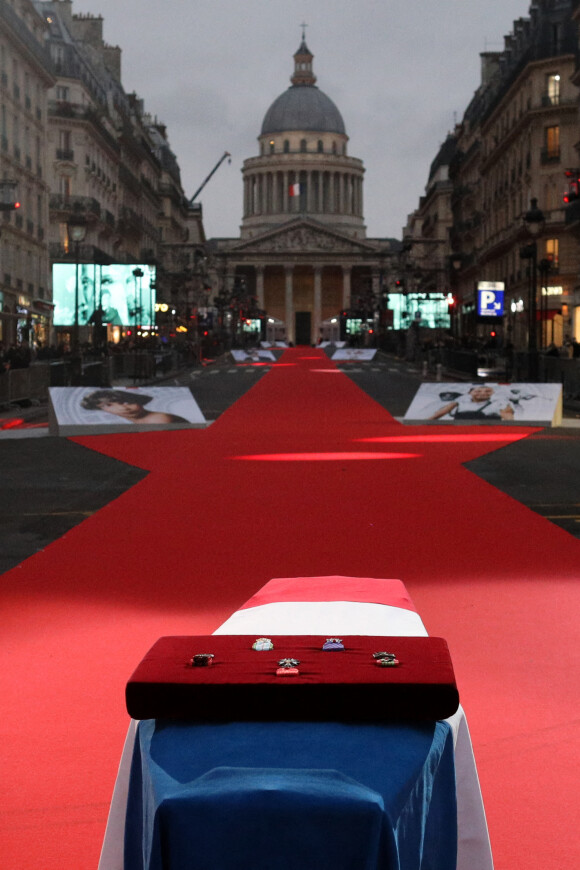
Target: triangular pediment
(303,236)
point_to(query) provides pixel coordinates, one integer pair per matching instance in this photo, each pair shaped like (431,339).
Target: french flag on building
(294,190)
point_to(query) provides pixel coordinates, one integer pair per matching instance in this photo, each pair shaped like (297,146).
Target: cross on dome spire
(303,58)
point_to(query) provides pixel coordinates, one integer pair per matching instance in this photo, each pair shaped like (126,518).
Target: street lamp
(77,231)
(534,222)
(137,275)
(456,261)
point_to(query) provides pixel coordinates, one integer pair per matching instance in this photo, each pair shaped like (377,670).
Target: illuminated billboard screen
(126,298)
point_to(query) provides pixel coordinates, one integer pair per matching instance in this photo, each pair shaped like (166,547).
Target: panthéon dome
(303,106)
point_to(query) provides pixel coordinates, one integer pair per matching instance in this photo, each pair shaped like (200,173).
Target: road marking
(58,514)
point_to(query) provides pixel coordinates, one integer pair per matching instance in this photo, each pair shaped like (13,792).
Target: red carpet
(278,487)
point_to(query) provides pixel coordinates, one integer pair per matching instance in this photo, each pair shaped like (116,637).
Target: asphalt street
(50,484)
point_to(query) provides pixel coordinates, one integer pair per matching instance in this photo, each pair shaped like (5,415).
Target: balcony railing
(550,155)
(129,219)
(60,202)
(58,252)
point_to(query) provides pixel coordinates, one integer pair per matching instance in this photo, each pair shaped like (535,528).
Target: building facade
(25,76)
(80,148)
(425,280)
(110,161)
(303,254)
(515,145)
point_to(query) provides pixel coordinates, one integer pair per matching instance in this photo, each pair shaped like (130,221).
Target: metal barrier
(465,361)
(24,385)
(32,383)
(564,371)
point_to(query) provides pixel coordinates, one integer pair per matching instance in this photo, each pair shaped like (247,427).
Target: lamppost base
(76,365)
(533,366)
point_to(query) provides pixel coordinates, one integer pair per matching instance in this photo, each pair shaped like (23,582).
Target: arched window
(320,146)
(272,146)
(334,147)
(303,145)
(286,146)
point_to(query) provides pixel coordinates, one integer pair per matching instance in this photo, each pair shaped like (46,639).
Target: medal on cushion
(202,660)
(288,668)
(263,643)
(333,643)
(386,659)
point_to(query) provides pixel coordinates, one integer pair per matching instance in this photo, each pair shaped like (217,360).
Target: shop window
(553,252)
(551,150)
(552,95)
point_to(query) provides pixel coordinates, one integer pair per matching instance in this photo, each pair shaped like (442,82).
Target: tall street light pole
(534,222)
(77,230)
(137,275)
(544,267)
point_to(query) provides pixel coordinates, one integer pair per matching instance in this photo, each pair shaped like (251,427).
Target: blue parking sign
(490,298)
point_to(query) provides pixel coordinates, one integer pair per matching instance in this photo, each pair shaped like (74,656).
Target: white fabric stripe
(324,617)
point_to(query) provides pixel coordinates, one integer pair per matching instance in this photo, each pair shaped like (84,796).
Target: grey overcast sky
(401,72)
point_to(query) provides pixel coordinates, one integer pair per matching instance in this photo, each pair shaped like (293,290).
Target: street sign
(490,296)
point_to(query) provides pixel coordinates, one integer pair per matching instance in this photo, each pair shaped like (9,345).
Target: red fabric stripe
(335,588)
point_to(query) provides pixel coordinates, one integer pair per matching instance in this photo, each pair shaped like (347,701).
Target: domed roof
(303,107)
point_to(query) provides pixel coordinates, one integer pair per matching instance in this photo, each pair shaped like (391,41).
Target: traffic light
(400,286)
(8,199)
(573,192)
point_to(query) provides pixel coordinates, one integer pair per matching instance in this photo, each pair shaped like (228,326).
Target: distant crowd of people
(21,354)
(15,356)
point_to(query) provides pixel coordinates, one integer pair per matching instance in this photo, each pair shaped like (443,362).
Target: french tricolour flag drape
(333,606)
(294,190)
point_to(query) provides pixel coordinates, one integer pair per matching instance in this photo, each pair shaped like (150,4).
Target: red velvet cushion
(241,683)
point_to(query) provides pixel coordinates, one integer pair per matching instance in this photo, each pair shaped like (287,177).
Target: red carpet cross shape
(305,475)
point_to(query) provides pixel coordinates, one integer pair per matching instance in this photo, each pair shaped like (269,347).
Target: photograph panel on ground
(467,403)
(104,410)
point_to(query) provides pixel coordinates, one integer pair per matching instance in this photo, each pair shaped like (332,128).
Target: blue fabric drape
(298,796)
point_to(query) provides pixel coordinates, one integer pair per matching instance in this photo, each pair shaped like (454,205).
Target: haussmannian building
(425,278)
(110,159)
(76,143)
(514,147)
(25,77)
